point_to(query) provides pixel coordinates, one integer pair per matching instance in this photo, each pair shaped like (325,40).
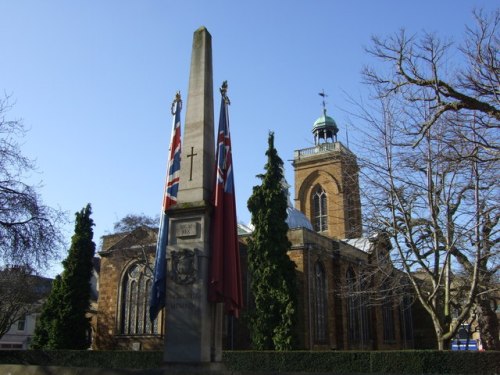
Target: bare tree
(139,227)
(20,294)
(29,230)
(420,71)
(436,206)
(132,221)
(432,168)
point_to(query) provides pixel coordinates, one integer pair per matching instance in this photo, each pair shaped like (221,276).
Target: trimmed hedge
(341,362)
(84,358)
(372,362)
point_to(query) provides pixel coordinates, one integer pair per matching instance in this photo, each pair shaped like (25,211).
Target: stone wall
(116,256)
(336,171)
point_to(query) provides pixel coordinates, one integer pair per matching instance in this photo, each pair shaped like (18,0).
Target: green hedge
(348,362)
(84,358)
(373,362)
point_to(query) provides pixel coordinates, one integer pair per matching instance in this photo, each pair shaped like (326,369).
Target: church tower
(327,184)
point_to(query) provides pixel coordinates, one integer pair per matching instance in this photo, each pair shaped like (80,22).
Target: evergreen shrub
(331,362)
(366,362)
(85,358)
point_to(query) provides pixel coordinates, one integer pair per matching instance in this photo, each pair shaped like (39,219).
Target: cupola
(325,128)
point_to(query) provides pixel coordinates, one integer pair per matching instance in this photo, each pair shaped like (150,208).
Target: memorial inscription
(184,302)
(186,229)
(182,305)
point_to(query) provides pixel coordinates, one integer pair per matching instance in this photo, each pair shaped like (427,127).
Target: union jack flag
(174,162)
(158,290)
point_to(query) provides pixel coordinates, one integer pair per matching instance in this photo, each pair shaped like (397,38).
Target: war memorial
(191,331)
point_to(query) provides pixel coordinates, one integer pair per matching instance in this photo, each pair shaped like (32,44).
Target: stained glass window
(134,309)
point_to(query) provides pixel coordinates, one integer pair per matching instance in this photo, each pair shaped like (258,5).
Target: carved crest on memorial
(184,266)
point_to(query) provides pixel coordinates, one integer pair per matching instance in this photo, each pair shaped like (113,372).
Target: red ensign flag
(225,273)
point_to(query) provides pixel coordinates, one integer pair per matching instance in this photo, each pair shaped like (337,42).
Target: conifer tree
(273,278)
(63,324)
(45,326)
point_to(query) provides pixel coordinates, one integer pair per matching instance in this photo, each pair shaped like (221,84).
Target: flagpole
(158,290)
(225,273)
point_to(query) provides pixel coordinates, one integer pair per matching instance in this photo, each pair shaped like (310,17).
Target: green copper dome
(325,122)
(325,128)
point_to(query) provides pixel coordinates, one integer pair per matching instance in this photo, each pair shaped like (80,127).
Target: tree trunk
(440,343)
(443,344)
(488,324)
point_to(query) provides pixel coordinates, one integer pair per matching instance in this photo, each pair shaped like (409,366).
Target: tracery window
(134,302)
(319,214)
(320,304)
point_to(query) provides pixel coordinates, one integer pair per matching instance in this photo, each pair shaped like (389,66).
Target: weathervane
(323,95)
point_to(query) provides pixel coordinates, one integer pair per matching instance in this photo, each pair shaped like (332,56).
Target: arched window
(320,304)
(319,211)
(407,321)
(134,302)
(353,319)
(365,312)
(388,314)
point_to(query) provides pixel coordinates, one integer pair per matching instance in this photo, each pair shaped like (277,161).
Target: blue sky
(93,81)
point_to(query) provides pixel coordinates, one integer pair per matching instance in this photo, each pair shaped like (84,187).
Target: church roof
(361,243)
(297,219)
(244,229)
(140,236)
(368,244)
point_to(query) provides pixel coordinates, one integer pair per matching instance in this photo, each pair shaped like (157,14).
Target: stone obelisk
(192,334)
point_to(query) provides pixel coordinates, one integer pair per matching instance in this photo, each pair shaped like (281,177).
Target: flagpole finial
(177,101)
(223,92)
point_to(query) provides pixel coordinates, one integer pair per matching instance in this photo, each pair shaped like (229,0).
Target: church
(332,263)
